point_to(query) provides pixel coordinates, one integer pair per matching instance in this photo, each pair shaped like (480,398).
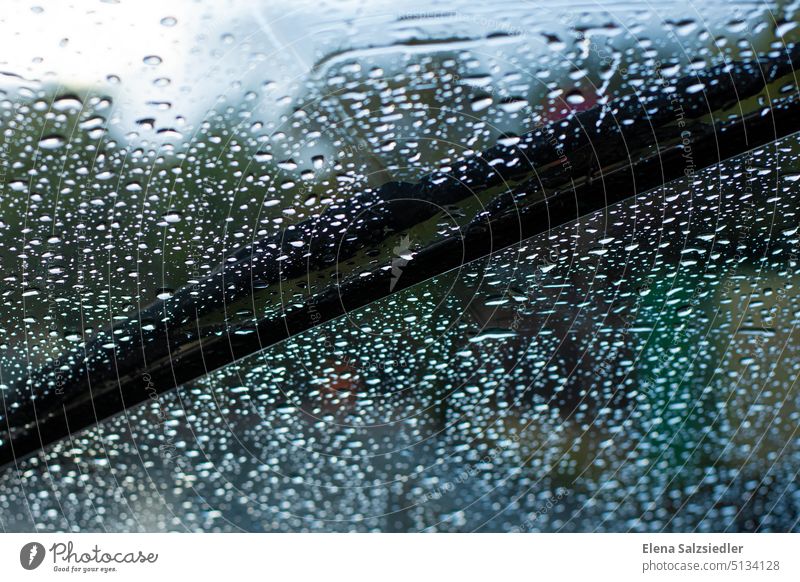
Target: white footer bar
(352,557)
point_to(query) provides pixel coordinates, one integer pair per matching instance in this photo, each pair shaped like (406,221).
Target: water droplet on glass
(52,142)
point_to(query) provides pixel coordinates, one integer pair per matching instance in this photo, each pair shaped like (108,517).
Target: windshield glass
(313,266)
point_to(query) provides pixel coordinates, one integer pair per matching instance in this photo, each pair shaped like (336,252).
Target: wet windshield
(312,267)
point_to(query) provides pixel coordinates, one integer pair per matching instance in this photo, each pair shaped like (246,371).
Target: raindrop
(491,334)
(165,293)
(172,217)
(52,142)
(575,98)
(67,103)
(481,103)
(287,165)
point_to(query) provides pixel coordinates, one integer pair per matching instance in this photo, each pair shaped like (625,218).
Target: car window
(316,267)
